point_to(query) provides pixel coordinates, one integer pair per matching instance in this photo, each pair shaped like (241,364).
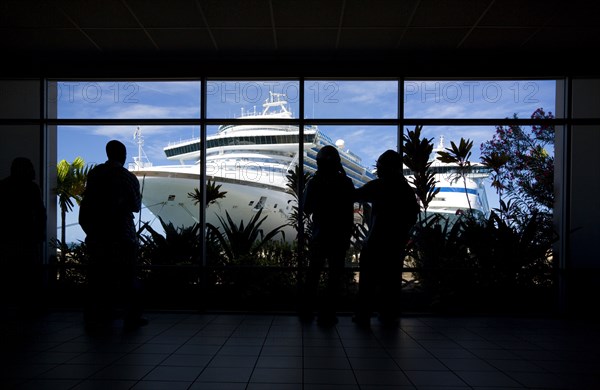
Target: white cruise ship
(250,163)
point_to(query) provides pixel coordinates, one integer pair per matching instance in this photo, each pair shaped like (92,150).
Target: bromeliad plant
(178,245)
(240,243)
(169,255)
(251,264)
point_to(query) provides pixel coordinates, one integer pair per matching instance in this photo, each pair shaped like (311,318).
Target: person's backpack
(97,208)
(86,216)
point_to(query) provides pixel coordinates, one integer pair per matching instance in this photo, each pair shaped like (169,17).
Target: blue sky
(324,99)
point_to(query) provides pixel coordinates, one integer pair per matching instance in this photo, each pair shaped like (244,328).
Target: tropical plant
(466,262)
(178,246)
(295,178)
(525,165)
(496,160)
(169,254)
(459,155)
(513,258)
(512,254)
(439,258)
(240,242)
(416,157)
(504,259)
(71,179)
(213,193)
(75,261)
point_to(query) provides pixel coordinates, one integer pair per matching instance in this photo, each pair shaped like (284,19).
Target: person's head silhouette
(22,169)
(389,164)
(116,151)
(328,159)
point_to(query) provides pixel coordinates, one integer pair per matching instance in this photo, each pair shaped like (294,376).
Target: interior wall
(585,176)
(20,141)
(20,103)
(583,261)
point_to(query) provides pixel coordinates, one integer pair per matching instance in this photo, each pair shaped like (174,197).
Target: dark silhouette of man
(22,232)
(394,212)
(328,199)
(111,196)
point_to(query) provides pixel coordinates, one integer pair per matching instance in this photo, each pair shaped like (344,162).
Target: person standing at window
(394,212)
(111,196)
(328,199)
(22,232)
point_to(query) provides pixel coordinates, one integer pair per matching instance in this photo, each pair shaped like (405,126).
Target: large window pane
(326,99)
(362,143)
(459,193)
(250,164)
(242,98)
(476,99)
(146,157)
(530,154)
(127,99)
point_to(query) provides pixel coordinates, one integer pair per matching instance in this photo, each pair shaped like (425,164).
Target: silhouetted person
(111,196)
(394,212)
(328,198)
(22,232)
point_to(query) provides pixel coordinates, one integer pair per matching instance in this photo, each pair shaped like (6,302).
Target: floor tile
(234,351)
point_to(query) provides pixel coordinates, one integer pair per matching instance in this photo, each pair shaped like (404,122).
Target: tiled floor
(186,350)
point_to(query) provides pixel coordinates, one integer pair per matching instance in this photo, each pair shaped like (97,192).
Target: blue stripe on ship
(455,189)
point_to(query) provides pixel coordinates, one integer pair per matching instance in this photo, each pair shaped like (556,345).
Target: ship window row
(258,140)
(225,153)
(348,163)
(356,177)
(278,128)
(255,168)
(245,140)
(189,148)
(349,167)
(439,169)
(268,162)
(353,170)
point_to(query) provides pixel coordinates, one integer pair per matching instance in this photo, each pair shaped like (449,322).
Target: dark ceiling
(347,32)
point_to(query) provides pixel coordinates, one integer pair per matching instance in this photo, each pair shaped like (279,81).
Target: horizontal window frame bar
(307,122)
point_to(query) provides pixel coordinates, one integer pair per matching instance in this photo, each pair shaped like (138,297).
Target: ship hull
(453,198)
(165,194)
